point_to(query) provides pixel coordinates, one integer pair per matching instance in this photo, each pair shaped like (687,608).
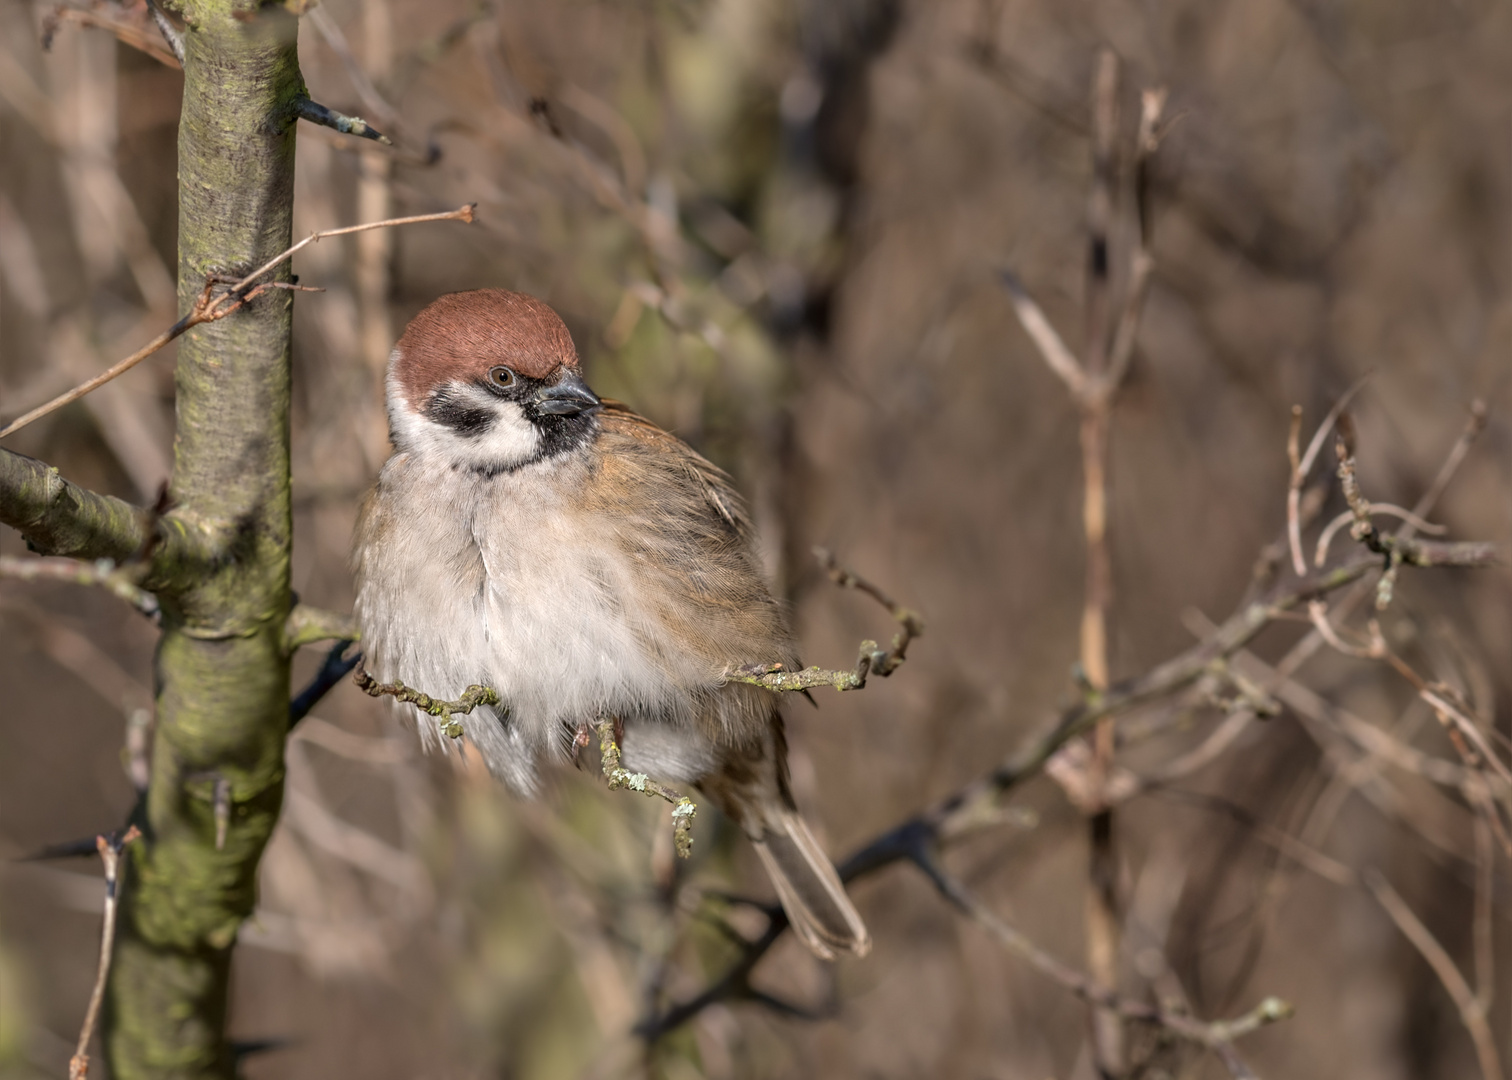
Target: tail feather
(810,890)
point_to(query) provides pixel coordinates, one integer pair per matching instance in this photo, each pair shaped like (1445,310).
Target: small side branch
(872,659)
(1395,549)
(317,113)
(56,517)
(103,573)
(336,667)
(445,711)
(683,808)
(110,848)
(306,625)
(1217,1036)
(1472,1012)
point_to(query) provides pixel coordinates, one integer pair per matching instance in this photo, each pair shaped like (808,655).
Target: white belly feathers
(555,627)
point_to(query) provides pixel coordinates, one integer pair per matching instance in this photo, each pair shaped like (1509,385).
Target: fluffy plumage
(581,561)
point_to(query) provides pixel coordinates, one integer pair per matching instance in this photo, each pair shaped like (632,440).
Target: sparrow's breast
(571,619)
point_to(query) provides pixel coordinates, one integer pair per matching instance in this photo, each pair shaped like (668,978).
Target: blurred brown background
(775,227)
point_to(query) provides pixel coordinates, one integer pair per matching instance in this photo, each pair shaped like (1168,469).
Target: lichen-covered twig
(110,848)
(873,660)
(683,808)
(317,113)
(445,711)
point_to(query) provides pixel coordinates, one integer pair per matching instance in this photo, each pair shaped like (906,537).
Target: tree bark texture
(219,557)
(222,669)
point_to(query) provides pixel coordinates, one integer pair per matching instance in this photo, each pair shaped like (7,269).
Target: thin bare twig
(110,848)
(1475,423)
(210,307)
(1325,538)
(1052,347)
(104,573)
(1302,464)
(316,113)
(171,34)
(1471,1012)
(131,34)
(1218,1036)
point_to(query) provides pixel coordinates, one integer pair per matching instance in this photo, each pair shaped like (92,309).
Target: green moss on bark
(222,669)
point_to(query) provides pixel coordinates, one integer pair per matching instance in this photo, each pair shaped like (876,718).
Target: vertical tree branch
(1102,917)
(223,672)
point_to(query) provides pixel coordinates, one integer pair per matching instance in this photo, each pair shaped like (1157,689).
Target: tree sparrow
(529,536)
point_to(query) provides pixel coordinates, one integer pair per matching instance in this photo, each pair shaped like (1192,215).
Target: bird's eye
(502,377)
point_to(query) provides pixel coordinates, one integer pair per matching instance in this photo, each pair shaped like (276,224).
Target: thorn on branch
(683,808)
(445,711)
(110,848)
(316,113)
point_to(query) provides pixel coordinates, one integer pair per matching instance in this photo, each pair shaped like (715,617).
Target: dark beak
(568,397)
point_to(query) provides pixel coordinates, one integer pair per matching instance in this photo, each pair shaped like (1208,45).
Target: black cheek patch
(466,420)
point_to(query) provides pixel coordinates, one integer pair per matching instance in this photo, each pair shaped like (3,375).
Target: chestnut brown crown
(460,336)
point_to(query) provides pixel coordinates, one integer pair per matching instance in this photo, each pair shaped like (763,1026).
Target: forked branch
(872,660)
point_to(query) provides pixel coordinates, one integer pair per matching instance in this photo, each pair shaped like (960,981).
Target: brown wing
(687,529)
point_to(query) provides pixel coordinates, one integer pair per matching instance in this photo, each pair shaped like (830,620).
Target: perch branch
(212,306)
(683,808)
(110,848)
(872,660)
(445,711)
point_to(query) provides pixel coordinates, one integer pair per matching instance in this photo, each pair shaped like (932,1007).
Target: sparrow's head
(490,380)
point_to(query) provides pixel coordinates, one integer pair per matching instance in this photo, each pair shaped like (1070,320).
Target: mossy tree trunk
(221,564)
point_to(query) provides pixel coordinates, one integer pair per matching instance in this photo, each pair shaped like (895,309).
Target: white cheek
(510,441)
